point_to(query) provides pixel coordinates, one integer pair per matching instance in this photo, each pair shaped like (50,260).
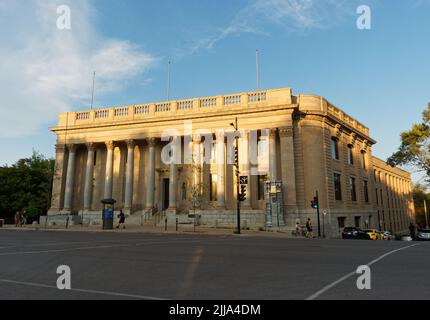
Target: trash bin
(108,213)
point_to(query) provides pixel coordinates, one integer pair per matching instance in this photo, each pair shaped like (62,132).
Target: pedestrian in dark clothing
(121,217)
(18,218)
(412,230)
(309,231)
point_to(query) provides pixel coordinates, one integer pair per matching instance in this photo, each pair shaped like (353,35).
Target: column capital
(286,132)
(110,145)
(91,146)
(197,138)
(60,147)
(151,141)
(130,144)
(71,147)
(272,132)
(244,133)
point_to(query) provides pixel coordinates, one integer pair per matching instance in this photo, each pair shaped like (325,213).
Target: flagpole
(168,81)
(92,95)
(257,64)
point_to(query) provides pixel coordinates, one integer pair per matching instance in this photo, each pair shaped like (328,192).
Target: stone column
(197,161)
(58,180)
(109,170)
(129,175)
(88,189)
(150,174)
(221,167)
(273,175)
(173,178)
(244,171)
(70,179)
(288,166)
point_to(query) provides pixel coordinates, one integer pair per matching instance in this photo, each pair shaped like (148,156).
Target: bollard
(165,224)
(177,224)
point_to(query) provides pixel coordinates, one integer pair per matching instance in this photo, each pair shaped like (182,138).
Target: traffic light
(314,203)
(242,194)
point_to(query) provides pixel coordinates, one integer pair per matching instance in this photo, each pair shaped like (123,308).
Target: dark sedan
(355,233)
(423,235)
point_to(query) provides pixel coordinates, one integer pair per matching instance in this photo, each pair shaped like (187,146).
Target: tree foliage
(415,146)
(26,185)
(420,196)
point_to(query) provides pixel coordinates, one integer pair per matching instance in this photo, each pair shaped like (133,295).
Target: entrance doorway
(166,183)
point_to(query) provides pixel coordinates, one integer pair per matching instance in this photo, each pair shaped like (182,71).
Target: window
(363,159)
(382,199)
(334,149)
(366,191)
(213,185)
(95,157)
(377,198)
(352,189)
(350,155)
(337,187)
(357,221)
(341,222)
(261,182)
(184,191)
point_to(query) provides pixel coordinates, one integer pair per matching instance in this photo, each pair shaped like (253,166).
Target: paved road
(153,266)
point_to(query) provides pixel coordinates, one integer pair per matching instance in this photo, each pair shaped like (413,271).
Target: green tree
(420,196)
(415,146)
(26,186)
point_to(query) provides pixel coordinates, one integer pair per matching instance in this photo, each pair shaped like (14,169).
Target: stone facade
(302,141)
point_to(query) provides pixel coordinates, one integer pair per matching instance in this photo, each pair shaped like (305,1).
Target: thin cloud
(291,15)
(45,70)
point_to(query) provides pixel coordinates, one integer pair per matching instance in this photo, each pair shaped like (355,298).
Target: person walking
(17,218)
(121,221)
(309,230)
(298,229)
(412,231)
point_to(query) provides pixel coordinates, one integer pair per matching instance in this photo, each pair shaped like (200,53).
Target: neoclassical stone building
(301,142)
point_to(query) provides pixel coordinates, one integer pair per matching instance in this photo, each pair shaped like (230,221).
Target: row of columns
(150,173)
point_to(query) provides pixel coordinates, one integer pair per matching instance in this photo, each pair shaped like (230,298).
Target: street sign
(243,179)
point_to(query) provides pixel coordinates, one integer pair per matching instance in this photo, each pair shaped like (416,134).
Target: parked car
(354,233)
(387,235)
(374,234)
(423,235)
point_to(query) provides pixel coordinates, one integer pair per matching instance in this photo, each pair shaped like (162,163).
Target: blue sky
(378,76)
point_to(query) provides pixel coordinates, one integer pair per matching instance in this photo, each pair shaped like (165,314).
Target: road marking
(110,246)
(117,294)
(83,242)
(349,275)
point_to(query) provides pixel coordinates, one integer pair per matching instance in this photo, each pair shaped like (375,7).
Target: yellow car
(374,234)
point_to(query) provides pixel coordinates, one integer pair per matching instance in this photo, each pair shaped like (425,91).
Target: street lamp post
(318,213)
(425,212)
(235,126)
(324,214)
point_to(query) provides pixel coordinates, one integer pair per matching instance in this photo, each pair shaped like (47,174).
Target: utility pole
(235,126)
